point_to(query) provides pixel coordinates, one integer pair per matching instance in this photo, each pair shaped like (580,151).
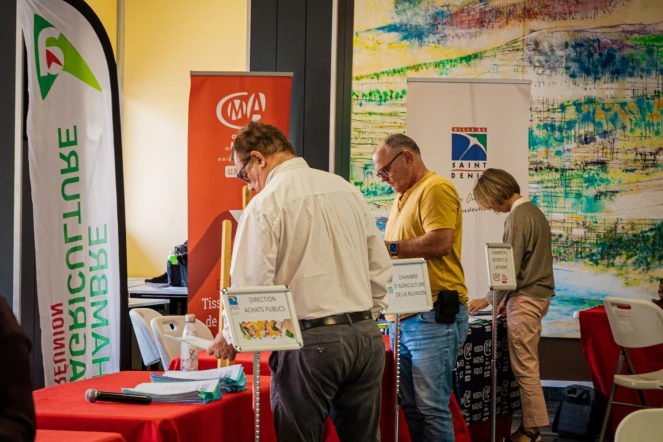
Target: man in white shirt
(313,231)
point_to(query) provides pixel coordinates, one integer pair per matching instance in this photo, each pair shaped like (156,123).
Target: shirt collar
(519,201)
(291,164)
(404,196)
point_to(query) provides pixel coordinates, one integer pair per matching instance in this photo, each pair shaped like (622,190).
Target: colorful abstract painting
(595,137)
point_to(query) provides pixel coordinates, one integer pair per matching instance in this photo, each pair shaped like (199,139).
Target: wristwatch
(393,248)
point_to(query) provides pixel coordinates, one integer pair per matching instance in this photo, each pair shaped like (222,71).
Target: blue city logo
(469,144)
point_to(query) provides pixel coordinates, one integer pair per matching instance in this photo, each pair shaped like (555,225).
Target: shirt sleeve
(380,269)
(439,207)
(253,261)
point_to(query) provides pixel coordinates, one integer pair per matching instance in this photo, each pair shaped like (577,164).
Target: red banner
(219,105)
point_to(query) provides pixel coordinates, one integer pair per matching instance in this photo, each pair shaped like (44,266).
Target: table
(77,436)
(63,407)
(147,302)
(602,354)
(178,296)
(206,362)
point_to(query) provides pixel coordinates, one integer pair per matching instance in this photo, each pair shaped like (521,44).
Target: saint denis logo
(469,151)
(236,110)
(54,54)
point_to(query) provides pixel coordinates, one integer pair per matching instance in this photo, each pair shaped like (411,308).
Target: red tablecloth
(602,355)
(475,433)
(63,407)
(77,436)
(206,362)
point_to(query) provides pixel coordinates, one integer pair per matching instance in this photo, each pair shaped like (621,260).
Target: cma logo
(466,400)
(467,351)
(238,109)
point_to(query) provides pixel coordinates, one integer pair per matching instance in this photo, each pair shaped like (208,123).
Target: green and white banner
(74,149)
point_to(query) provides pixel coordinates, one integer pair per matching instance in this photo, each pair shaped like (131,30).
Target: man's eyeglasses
(241,175)
(384,172)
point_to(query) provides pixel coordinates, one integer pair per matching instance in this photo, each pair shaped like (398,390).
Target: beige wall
(106,10)
(164,40)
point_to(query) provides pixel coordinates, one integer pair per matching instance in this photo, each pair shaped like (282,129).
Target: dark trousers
(338,373)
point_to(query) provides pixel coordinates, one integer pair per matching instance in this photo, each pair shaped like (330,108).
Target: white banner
(72,156)
(462,128)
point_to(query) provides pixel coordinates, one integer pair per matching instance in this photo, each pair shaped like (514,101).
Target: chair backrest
(140,319)
(641,425)
(173,325)
(635,323)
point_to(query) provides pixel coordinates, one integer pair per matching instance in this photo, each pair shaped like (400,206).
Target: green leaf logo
(55,54)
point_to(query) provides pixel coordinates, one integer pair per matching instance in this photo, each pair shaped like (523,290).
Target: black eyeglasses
(384,172)
(241,175)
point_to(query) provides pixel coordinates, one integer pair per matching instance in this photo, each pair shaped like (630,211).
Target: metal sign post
(256,393)
(409,293)
(501,276)
(397,374)
(261,319)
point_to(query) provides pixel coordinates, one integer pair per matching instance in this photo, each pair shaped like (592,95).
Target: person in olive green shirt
(426,222)
(527,230)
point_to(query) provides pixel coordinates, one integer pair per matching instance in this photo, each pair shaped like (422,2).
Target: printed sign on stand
(501,276)
(262,318)
(410,288)
(501,273)
(409,293)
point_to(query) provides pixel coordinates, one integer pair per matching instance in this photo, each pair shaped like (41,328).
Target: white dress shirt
(313,231)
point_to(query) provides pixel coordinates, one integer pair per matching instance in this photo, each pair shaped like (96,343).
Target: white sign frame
(240,343)
(419,265)
(510,272)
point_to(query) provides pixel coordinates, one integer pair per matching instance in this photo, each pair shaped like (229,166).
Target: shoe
(533,437)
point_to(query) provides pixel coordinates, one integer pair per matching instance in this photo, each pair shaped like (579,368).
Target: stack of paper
(231,379)
(195,392)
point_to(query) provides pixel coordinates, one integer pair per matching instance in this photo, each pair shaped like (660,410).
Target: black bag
(446,306)
(177,266)
(580,413)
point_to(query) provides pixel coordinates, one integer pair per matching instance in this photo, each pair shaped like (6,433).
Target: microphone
(93,395)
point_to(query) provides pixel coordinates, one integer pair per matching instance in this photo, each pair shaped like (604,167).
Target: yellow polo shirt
(432,204)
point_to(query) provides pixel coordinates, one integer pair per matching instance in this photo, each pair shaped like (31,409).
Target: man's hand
(477,304)
(220,348)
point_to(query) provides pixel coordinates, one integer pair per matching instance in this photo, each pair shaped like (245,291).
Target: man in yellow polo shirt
(426,222)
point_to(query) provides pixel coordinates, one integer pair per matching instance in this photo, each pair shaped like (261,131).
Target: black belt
(343,318)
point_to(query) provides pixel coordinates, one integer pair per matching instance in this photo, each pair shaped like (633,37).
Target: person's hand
(386,244)
(477,304)
(220,348)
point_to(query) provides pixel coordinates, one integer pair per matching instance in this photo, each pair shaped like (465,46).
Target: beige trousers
(523,317)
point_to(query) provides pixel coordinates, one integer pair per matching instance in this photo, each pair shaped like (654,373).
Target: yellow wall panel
(106,10)
(164,41)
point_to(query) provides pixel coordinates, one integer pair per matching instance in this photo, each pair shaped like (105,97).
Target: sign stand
(409,293)
(501,276)
(261,319)
(256,394)
(397,373)
(493,373)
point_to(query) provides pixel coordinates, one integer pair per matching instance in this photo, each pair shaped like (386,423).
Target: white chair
(635,323)
(640,426)
(140,319)
(173,325)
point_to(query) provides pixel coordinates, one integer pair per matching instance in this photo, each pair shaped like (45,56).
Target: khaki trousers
(523,317)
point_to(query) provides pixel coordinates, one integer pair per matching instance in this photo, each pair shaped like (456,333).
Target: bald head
(398,162)
(397,142)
